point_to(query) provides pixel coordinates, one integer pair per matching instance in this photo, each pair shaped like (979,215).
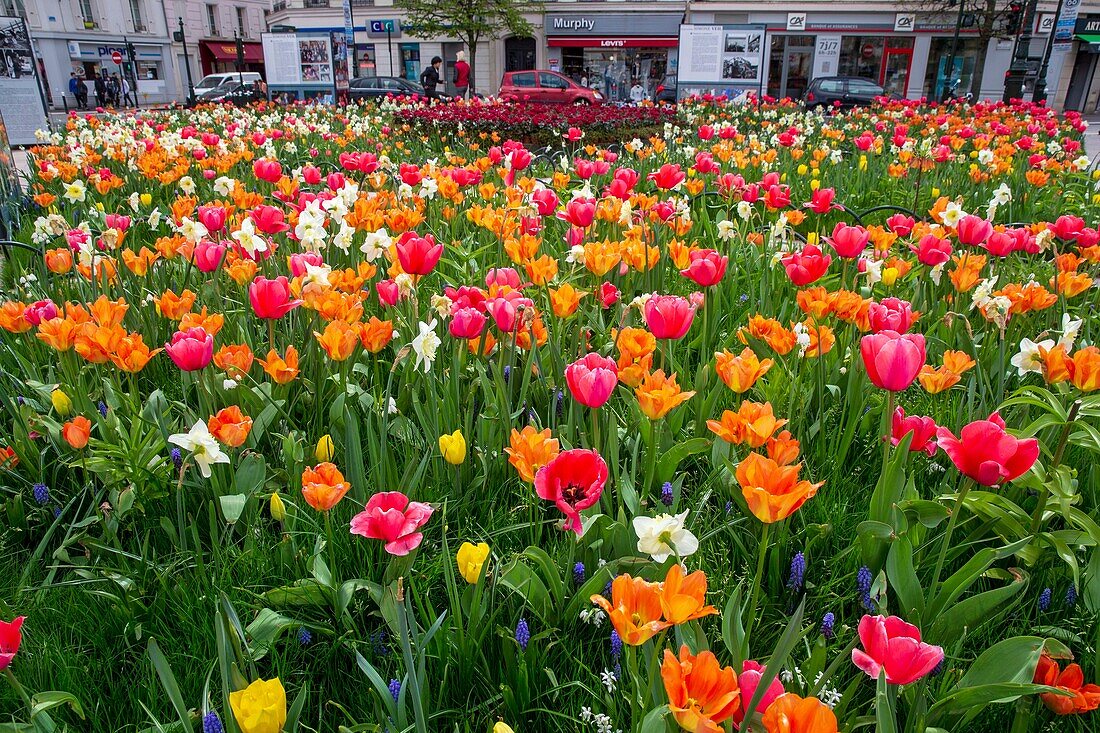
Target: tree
(470,21)
(982,19)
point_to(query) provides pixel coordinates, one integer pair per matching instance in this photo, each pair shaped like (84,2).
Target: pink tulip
(807,266)
(503,276)
(891,314)
(418,255)
(849,241)
(192,349)
(932,251)
(706,267)
(271,299)
(891,644)
(901,225)
(749,679)
(893,360)
(388,292)
(299,261)
(40,310)
(392,518)
(922,428)
(985,452)
(267,170)
(973,230)
(467,323)
(212,217)
(11,636)
(579,212)
(546,201)
(208,255)
(592,379)
(669,316)
(609,295)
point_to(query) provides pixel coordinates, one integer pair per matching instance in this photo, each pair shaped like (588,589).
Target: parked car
(213,81)
(842,91)
(378,87)
(666,90)
(545,86)
(233,93)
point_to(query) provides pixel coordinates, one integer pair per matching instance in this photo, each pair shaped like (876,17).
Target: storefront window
(957,83)
(861,56)
(613,73)
(790,65)
(410,61)
(366,63)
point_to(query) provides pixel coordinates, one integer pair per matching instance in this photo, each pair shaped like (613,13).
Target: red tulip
(669,316)
(268,219)
(574,481)
(891,644)
(901,225)
(891,314)
(11,636)
(922,428)
(467,323)
(271,298)
(208,255)
(267,170)
(706,267)
(579,212)
(973,230)
(932,251)
(807,266)
(546,201)
(192,349)
(849,241)
(388,292)
(608,294)
(592,379)
(821,201)
(777,197)
(392,518)
(1067,227)
(749,679)
(418,255)
(985,452)
(893,360)
(668,176)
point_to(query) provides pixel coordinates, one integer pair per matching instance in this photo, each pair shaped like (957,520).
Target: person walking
(100,86)
(462,75)
(127,96)
(429,79)
(74,88)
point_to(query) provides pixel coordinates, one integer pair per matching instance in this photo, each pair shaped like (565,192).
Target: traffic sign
(116,56)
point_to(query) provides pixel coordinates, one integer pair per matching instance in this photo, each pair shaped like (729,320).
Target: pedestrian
(429,79)
(100,86)
(114,90)
(127,97)
(74,89)
(261,87)
(462,75)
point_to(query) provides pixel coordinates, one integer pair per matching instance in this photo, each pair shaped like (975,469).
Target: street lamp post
(181,38)
(1039,94)
(1014,79)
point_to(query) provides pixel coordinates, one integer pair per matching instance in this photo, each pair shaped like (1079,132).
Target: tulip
(849,241)
(325,449)
(668,176)
(191,349)
(277,508)
(892,360)
(706,267)
(271,299)
(530,450)
(388,292)
(212,217)
(807,266)
(634,609)
(683,597)
(973,230)
(821,201)
(923,430)
(891,314)
(323,486)
(985,452)
(892,645)
(76,432)
(740,373)
(1082,698)
(268,219)
(749,679)
(260,707)
(418,255)
(574,481)
(267,170)
(41,310)
(208,256)
(11,636)
(579,212)
(61,403)
(591,379)
(392,518)
(471,561)
(453,447)
(546,201)
(932,251)
(701,693)
(609,295)
(790,713)
(669,316)
(772,492)
(230,426)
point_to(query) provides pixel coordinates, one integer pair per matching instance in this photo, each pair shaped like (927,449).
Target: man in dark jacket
(429,78)
(101,89)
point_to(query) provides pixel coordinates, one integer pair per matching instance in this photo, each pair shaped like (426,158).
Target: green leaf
(44,701)
(265,629)
(783,648)
(654,721)
(251,474)
(733,628)
(975,610)
(670,460)
(903,577)
(970,699)
(1011,660)
(963,578)
(168,682)
(885,716)
(295,711)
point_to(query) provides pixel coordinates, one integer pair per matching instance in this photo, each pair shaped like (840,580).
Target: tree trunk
(471,44)
(979,71)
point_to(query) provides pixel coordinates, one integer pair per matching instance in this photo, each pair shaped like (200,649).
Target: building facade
(210,29)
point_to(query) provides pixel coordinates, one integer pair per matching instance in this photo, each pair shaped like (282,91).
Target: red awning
(227,51)
(613,42)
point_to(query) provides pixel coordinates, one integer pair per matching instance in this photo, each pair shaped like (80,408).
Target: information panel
(720,59)
(20,94)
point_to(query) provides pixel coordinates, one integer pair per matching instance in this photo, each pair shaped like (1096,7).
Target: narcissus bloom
(895,646)
(701,693)
(453,447)
(395,520)
(203,446)
(1083,698)
(470,559)
(659,395)
(634,609)
(530,450)
(790,713)
(76,432)
(323,486)
(574,481)
(230,426)
(260,707)
(985,451)
(893,360)
(664,535)
(592,379)
(773,492)
(11,636)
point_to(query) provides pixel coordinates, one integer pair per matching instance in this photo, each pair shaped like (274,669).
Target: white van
(213,81)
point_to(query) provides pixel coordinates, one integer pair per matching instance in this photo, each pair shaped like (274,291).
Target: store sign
(905,22)
(796,21)
(1088,24)
(826,56)
(605,24)
(1044,23)
(1066,23)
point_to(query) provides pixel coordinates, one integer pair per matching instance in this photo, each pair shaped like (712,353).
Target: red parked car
(545,86)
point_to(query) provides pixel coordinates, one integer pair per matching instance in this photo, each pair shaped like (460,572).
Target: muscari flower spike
(523,634)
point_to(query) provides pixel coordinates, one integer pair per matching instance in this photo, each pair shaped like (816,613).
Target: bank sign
(607,24)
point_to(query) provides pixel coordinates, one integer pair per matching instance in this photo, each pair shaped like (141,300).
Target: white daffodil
(203,446)
(375,244)
(75,190)
(186,184)
(1070,328)
(425,344)
(224,186)
(192,231)
(248,239)
(1002,194)
(727,230)
(663,535)
(952,214)
(1028,359)
(744,209)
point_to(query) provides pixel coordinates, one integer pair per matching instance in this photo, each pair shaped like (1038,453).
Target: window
(525,80)
(212,19)
(135,14)
(365,61)
(87,14)
(242,23)
(552,81)
(14,7)
(410,61)
(831,86)
(859,86)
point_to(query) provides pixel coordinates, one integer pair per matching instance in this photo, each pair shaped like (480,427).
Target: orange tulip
(230,426)
(1084,369)
(234,359)
(783,448)
(530,450)
(790,713)
(1056,364)
(753,423)
(12,318)
(97,343)
(338,340)
(658,395)
(173,306)
(822,339)
(1070,284)
(683,597)
(108,312)
(634,609)
(58,333)
(210,322)
(59,261)
(957,362)
(1083,697)
(542,270)
(76,432)
(967,272)
(565,300)
(601,256)
(935,381)
(375,334)
(131,354)
(701,693)
(816,302)
(740,373)
(853,308)
(279,369)
(773,492)
(323,486)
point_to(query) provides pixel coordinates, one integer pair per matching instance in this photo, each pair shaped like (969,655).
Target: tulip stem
(19,689)
(886,429)
(960,502)
(1037,515)
(758,580)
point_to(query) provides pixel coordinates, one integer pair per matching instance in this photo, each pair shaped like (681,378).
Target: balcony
(316,3)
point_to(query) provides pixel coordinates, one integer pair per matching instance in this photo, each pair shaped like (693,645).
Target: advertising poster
(720,59)
(315,61)
(20,95)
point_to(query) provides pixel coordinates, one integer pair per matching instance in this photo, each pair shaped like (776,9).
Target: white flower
(192,231)
(607,677)
(801,338)
(248,239)
(626,213)
(1028,358)
(405,284)
(154,218)
(936,273)
(983,292)
(375,244)
(75,191)
(425,344)
(744,209)
(576,255)
(186,184)
(224,186)
(986,156)
(1002,195)
(874,271)
(727,230)
(203,446)
(664,535)
(134,201)
(952,214)
(441,304)
(1070,327)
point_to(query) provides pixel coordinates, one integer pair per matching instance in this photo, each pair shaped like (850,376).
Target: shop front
(220,56)
(614,53)
(89,59)
(1082,94)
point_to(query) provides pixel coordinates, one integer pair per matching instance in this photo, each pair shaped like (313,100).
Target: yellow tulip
(146,199)
(471,561)
(863,162)
(502,727)
(278,508)
(811,238)
(260,707)
(61,403)
(815,184)
(889,276)
(325,449)
(802,168)
(453,447)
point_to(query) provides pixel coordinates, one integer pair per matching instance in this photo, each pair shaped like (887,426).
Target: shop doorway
(450,56)
(790,65)
(895,70)
(519,54)
(1083,68)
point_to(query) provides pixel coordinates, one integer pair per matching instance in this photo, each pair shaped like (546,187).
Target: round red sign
(117,58)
